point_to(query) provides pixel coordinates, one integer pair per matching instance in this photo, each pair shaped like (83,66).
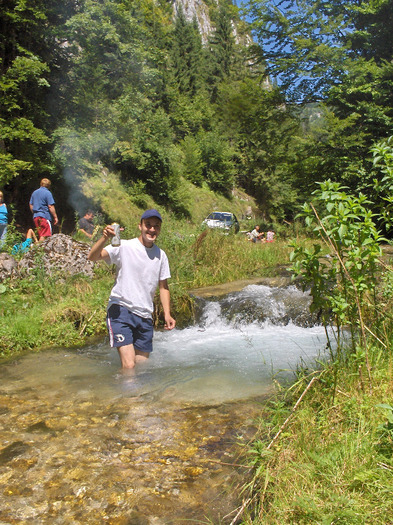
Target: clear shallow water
(82,442)
(209,365)
(235,350)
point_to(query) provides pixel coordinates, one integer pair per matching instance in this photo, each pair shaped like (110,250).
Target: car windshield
(216,216)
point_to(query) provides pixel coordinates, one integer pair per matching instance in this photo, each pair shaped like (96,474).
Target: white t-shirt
(139,270)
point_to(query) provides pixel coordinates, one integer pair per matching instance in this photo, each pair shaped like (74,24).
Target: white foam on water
(221,361)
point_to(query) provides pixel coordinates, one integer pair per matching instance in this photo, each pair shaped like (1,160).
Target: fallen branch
(86,323)
(241,510)
(291,414)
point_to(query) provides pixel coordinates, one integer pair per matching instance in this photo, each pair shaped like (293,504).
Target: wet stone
(12,451)
(41,426)
(150,468)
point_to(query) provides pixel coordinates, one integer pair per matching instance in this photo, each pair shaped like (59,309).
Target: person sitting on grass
(86,224)
(24,246)
(270,236)
(256,234)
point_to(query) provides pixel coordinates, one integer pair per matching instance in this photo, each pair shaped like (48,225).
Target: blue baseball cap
(148,214)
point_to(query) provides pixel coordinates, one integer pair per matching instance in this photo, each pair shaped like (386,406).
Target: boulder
(8,266)
(58,254)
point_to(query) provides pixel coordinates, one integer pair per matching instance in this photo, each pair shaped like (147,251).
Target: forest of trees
(126,85)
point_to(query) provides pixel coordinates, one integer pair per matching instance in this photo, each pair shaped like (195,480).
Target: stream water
(80,442)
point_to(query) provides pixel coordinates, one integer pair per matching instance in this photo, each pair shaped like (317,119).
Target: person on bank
(86,224)
(3,219)
(24,246)
(256,234)
(141,268)
(270,235)
(42,206)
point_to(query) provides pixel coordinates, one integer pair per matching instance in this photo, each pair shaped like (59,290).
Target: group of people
(42,206)
(257,236)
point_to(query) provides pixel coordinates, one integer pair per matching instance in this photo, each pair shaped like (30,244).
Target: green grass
(333,461)
(48,311)
(209,257)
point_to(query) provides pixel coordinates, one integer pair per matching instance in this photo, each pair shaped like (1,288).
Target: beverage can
(116,238)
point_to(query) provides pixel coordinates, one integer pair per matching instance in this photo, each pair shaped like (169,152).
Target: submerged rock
(15,449)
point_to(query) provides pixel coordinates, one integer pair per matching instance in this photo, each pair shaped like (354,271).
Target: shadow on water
(83,443)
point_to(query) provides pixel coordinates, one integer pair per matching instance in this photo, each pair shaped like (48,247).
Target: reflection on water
(83,443)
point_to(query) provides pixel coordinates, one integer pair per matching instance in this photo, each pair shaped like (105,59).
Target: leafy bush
(342,284)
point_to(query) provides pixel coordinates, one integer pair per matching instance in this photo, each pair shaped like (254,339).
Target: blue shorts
(126,328)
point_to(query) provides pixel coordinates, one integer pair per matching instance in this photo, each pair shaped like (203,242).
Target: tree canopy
(131,87)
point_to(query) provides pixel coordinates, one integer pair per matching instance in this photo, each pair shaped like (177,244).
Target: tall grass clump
(325,459)
(205,257)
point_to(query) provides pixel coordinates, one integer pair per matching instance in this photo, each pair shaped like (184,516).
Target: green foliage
(223,56)
(43,310)
(193,165)
(342,285)
(302,43)
(383,186)
(254,114)
(119,85)
(218,167)
(20,117)
(338,54)
(190,116)
(186,55)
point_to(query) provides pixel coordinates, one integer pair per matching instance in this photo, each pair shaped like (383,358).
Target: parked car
(222,219)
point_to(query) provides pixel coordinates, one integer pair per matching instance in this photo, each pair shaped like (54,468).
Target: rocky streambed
(78,447)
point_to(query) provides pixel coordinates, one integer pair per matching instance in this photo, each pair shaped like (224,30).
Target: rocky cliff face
(200,10)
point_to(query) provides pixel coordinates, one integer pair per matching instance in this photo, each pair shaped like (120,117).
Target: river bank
(41,309)
(323,451)
(334,451)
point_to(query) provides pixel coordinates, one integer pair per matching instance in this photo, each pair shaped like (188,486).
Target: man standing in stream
(141,268)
